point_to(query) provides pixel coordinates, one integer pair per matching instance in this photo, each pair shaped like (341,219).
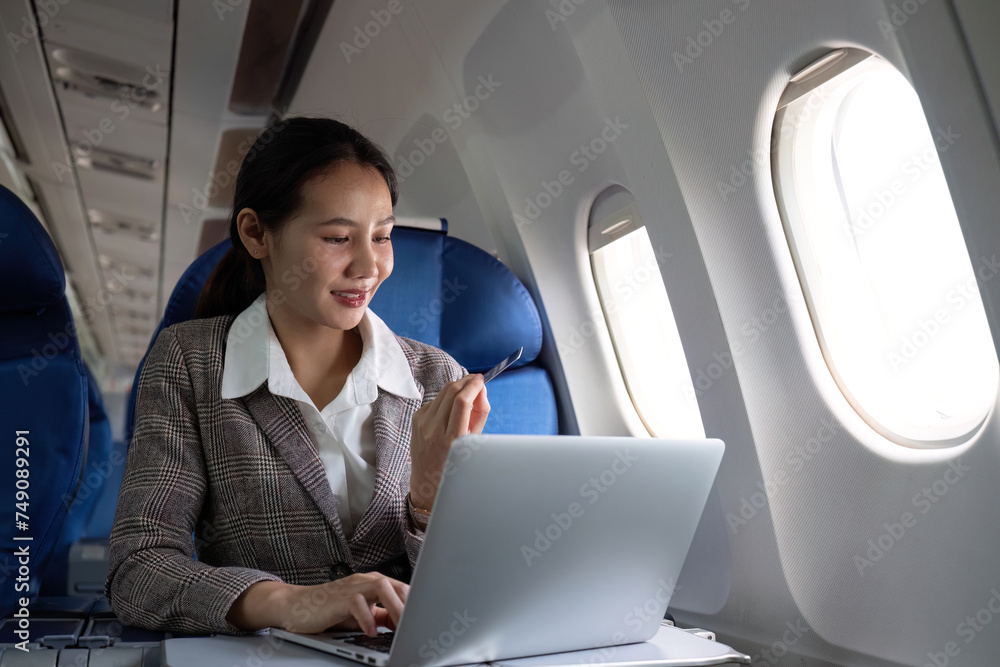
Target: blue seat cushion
(522,401)
(453,295)
(43,388)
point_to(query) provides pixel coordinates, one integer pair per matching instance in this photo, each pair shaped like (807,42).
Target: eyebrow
(351,223)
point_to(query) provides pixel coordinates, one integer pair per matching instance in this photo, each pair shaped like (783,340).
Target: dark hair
(279,163)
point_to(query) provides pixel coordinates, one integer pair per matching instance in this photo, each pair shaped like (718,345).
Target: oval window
(645,337)
(879,251)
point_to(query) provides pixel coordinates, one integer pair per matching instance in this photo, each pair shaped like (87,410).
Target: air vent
(115,162)
(122,226)
(106,88)
(138,296)
(125,268)
(93,64)
(132,316)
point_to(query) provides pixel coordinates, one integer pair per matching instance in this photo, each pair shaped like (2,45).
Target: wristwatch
(419,515)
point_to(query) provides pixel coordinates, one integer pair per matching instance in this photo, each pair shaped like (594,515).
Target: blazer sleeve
(413,536)
(153,579)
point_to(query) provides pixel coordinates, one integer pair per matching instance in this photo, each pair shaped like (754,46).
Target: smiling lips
(351,298)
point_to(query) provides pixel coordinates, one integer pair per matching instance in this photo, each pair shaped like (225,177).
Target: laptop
(543,544)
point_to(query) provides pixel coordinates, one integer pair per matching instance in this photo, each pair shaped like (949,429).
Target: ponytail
(237,280)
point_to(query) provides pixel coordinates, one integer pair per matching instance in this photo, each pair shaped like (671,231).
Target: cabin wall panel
(714,115)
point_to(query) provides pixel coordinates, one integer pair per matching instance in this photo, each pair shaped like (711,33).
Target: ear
(252,233)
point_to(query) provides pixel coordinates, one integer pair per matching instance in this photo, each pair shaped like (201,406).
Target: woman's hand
(459,408)
(347,603)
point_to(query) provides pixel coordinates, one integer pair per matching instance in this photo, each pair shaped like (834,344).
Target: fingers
(449,415)
(460,415)
(480,411)
(391,597)
(364,590)
(361,611)
(459,408)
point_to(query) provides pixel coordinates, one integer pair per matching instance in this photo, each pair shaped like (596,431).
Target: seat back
(180,307)
(447,293)
(451,294)
(99,472)
(43,390)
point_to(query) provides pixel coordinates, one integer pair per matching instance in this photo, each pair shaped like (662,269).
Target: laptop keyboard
(381,642)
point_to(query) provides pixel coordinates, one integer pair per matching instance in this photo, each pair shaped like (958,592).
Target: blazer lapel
(281,422)
(392,417)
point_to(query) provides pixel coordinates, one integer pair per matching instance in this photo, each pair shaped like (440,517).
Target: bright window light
(880,253)
(638,313)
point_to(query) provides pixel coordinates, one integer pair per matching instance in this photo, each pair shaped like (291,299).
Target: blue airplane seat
(180,307)
(43,390)
(451,294)
(444,292)
(99,471)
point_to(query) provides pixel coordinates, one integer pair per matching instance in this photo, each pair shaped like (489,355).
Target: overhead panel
(110,66)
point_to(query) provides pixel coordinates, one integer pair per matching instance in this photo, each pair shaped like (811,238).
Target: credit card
(503,365)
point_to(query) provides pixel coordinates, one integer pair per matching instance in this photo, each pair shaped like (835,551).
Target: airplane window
(645,337)
(879,251)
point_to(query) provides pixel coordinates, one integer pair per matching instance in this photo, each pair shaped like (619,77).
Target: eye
(335,239)
(382,239)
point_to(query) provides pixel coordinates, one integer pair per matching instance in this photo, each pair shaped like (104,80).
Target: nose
(364,263)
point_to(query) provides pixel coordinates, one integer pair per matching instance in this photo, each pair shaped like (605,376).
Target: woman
(289,428)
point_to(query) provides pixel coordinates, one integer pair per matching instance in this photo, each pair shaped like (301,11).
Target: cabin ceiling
(122,119)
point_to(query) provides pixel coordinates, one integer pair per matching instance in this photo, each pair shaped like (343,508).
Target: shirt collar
(252,342)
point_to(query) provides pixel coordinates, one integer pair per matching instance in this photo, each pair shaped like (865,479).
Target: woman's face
(331,256)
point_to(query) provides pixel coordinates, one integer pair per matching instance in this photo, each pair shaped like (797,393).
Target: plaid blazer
(243,475)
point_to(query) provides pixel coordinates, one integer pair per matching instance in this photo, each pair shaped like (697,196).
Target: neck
(316,354)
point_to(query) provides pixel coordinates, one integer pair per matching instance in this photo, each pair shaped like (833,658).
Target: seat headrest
(442,291)
(28,259)
(451,294)
(183,299)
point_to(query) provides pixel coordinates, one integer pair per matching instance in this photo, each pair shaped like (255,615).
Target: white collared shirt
(344,430)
